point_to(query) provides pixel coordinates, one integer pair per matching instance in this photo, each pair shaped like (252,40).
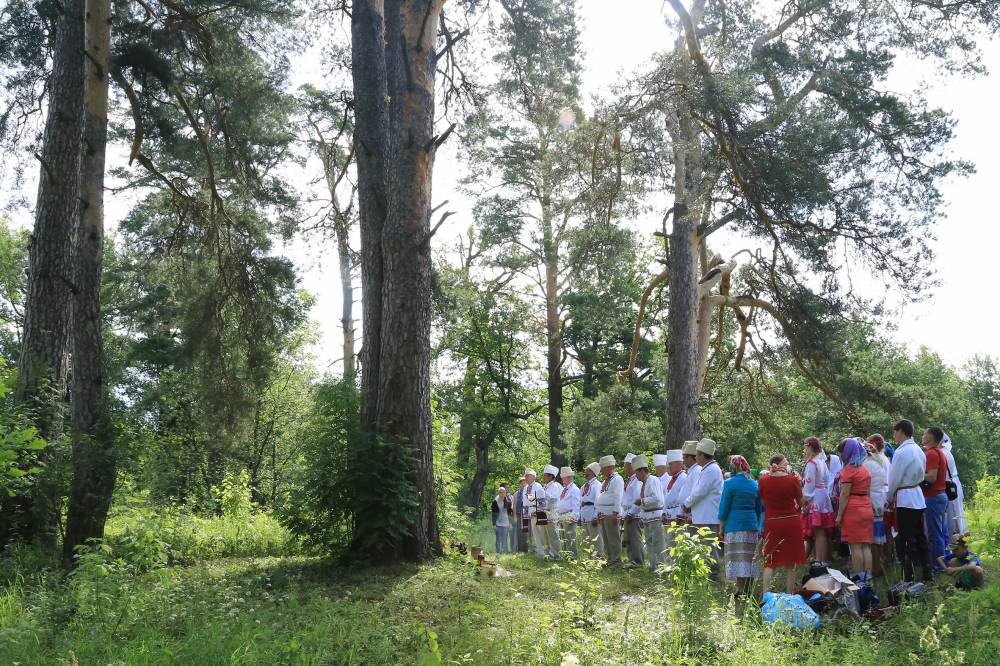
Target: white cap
(706,446)
(607,461)
(551,469)
(566,471)
(640,462)
(628,458)
(675,455)
(528,470)
(659,460)
(595,468)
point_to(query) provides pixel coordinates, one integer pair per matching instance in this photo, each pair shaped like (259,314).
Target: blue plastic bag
(790,609)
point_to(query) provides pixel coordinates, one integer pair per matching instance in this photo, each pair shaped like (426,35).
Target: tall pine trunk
(682,314)
(94,461)
(394,60)
(554,355)
(347,309)
(404,409)
(44,361)
(553,325)
(371,133)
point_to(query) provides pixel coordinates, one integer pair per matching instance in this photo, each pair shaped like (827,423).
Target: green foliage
(352,490)
(686,572)
(617,421)
(984,517)
(19,442)
(147,537)
(13,283)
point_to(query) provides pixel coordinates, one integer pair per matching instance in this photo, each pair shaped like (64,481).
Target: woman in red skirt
(781,493)
(855,517)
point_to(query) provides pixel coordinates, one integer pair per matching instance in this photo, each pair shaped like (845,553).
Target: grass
(301,610)
(295,609)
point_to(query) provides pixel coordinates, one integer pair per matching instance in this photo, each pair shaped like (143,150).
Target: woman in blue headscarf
(854,515)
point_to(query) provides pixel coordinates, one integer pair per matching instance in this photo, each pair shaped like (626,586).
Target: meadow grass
(119,608)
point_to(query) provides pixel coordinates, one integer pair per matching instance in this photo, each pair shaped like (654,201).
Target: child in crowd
(963,564)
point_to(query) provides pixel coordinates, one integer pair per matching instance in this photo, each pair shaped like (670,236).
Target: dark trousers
(912,542)
(521,537)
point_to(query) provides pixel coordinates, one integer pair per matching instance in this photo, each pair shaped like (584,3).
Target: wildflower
(569,659)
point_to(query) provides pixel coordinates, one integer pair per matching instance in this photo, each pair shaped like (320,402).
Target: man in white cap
(690,459)
(630,513)
(650,504)
(609,506)
(534,501)
(703,501)
(673,484)
(568,510)
(549,531)
(588,510)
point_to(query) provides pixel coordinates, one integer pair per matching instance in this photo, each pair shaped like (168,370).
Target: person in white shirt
(878,466)
(703,502)
(906,473)
(650,504)
(957,525)
(609,506)
(549,530)
(817,510)
(588,510)
(672,493)
(534,501)
(568,510)
(630,513)
(690,458)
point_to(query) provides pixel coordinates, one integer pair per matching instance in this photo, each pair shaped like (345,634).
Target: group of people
(882,501)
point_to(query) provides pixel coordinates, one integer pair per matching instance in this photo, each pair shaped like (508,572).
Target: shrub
(353,491)
(984,517)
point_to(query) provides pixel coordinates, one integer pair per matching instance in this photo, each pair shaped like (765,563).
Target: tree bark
(553,325)
(44,361)
(394,60)
(404,405)
(371,134)
(682,263)
(347,310)
(554,353)
(94,460)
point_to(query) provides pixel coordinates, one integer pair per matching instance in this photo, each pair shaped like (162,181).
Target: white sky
(957,321)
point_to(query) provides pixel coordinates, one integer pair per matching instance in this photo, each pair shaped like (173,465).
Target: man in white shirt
(650,504)
(522,530)
(534,500)
(588,510)
(609,506)
(690,457)
(630,514)
(906,473)
(672,497)
(703,501)
(568,510)
(549,530)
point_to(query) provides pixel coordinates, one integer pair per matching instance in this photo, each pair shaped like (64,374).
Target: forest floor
(303,610)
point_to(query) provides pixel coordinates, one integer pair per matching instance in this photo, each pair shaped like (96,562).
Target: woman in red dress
(781,493)
(855,517)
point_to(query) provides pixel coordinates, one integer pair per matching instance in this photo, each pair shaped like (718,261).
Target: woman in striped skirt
(739,518)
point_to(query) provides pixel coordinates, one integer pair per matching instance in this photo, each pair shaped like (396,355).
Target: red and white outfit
(816,496)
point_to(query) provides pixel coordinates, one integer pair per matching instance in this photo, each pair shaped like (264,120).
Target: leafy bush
(19,443)
(148,538)
(984,517)
(353,489)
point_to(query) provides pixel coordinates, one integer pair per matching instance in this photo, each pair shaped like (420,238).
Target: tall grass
(232,606)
